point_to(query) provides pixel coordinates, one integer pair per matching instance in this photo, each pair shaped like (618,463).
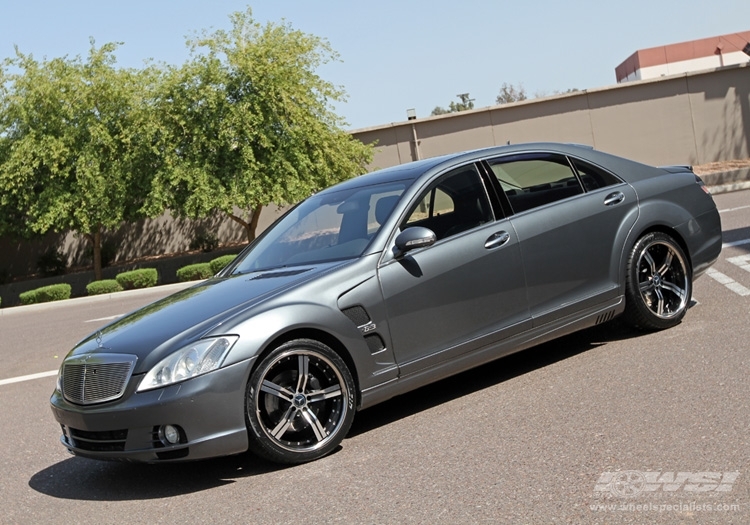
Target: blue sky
(395,54)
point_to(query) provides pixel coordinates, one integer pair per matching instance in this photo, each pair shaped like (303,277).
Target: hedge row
(194,272)
(201,271)
(143,278)
(103,286)
(219,263)
(53,292)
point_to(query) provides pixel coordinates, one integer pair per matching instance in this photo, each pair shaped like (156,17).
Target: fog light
(169,435)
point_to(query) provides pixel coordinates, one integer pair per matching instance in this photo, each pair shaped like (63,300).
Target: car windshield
(326,227)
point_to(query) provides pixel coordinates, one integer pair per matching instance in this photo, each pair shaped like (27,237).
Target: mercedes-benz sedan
(380,285)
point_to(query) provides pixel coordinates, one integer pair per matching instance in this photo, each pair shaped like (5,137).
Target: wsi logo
(630,483)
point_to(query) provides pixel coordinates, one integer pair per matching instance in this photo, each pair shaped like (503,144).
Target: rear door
(571,218)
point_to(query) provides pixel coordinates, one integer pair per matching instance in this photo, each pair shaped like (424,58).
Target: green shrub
(103,286)
(219,263)
(194,272)
(143,278)
(53,292)
(51,263)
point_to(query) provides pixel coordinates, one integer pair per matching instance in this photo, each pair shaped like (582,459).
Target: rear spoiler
(677,168)
(687,169)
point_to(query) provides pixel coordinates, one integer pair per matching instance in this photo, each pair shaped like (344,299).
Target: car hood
(158,329)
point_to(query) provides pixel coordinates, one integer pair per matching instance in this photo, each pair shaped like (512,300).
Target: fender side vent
(605,317)
(357,315)
(375,343)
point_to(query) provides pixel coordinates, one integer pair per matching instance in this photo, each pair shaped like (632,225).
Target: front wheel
(299,402)
(658,284)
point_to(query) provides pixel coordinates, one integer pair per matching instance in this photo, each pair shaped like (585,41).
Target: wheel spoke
(276,390)
(650,261)
(317,427)
(659,301)
(285,423)
(672,287)
(646,286)
(665,267)
(303,363)
(327,393)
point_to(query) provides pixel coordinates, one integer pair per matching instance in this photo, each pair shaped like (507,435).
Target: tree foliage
(510,93)
(75,144)
(245,122)
(250,123)
(454,107)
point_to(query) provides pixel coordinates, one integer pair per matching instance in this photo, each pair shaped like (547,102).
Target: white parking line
(734,209)
(728,282)
(735,243)
(743,261)
(27,378)
(111,317)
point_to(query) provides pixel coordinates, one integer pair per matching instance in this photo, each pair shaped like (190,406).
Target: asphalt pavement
(607,425)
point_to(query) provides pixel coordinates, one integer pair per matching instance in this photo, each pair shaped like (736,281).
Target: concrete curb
(727,181)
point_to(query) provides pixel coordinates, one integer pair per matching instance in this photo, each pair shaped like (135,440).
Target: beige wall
(691,118)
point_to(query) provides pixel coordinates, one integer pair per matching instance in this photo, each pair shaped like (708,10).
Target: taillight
(702,185)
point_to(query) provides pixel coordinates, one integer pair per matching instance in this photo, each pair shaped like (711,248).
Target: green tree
(454,107)
(251,123)
(510,93)
(76,144)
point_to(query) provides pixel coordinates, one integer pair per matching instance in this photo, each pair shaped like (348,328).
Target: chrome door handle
(497,239)
(614,198)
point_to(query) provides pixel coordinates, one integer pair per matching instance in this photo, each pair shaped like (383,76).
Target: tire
(299,402)
(659,283)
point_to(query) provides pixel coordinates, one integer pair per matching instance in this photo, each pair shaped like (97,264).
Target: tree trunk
(96,243)
(250,227)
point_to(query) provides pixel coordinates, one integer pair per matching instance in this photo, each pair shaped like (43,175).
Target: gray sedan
(380,285)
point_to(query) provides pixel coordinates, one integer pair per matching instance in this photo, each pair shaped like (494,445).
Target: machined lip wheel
(663,281)
(301,402)
(659,283)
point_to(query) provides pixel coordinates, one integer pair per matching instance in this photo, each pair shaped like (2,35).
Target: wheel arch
(661,228)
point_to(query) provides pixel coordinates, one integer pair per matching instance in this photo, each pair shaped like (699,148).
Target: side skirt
(598,314)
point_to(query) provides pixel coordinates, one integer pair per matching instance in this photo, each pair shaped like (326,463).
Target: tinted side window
(534,180)
(455,203)
(592,177)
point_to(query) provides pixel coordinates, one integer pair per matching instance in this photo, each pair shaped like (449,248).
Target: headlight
(194,360)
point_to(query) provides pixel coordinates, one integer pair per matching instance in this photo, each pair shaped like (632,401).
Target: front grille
(96,378)
(109,441)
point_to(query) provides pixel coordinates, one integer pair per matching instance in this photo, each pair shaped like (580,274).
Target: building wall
(691,118)
(694,55)
(683,66)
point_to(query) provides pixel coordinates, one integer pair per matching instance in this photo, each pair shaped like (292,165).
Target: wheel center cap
(656,278)
(299,400)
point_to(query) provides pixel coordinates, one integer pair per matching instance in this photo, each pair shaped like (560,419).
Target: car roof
(411,171)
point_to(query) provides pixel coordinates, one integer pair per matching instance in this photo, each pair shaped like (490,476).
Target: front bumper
(209,411)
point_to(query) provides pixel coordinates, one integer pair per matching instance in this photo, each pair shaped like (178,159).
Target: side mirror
(414,237)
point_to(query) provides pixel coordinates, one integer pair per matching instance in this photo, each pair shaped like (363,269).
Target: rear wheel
(659,283)
(300,402)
